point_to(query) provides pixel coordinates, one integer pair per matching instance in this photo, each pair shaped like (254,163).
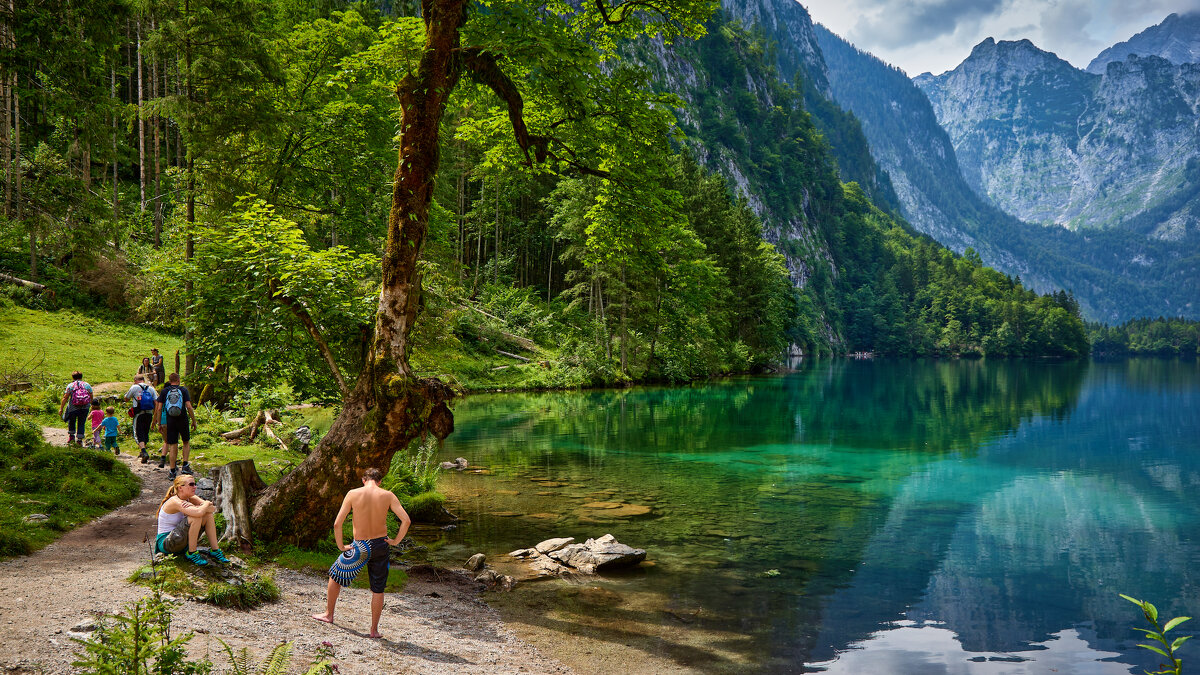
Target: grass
(67,486)
(172,577)
(66,341)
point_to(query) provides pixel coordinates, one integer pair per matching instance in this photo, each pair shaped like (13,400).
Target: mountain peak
(1015,56)
(1176,39)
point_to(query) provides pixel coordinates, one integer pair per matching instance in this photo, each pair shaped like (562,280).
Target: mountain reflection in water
(796,519)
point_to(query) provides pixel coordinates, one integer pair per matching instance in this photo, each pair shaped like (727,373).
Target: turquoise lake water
(854,517)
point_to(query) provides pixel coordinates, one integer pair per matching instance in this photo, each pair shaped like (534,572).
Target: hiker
(370,505)
(97,416)
(112,427)
(160,369)
(148,371)
(143,398)
(73,409)
(174,407)
(181,516)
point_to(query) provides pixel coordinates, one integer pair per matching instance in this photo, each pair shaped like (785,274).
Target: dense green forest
(1146,337)
(221,168)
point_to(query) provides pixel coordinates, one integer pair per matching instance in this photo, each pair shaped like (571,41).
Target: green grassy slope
(65,341)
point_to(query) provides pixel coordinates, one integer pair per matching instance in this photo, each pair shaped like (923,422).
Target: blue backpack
(146,399)
(174,402)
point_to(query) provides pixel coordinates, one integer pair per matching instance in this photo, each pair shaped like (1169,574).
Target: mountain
(1055,145)
(1115,275)
(1176,39)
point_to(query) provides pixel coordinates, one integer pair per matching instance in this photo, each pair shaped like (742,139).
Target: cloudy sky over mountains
(936,35)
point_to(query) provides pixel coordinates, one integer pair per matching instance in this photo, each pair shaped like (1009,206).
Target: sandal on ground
(218,555)
(196,558)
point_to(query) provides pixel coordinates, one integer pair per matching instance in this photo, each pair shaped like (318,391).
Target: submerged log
(237,485)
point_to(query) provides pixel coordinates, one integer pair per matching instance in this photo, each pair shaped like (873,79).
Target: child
(97,416)
(111,426)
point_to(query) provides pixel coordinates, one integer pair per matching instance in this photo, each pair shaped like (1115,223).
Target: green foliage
(176,577)
(68,486)
(278,662)
(138,641)
(1146,337)
(1158,633)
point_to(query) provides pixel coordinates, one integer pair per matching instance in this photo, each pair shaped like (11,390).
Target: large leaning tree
(567,106)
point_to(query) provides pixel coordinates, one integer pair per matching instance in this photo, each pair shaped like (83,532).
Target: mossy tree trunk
(388,406)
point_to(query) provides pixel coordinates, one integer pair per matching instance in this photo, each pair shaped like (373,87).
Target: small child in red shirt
(97,417)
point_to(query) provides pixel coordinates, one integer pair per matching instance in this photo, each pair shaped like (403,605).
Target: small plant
(139,641)
(278,662)
(1159,634)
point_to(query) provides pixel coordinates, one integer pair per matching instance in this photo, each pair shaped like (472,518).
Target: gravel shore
(437,624)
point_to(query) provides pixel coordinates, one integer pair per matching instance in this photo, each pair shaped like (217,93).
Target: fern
(279,661)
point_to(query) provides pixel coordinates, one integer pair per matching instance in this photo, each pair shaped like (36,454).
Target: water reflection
(799,517)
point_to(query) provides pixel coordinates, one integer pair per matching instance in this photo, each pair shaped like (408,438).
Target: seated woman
(181,516)
(148,371)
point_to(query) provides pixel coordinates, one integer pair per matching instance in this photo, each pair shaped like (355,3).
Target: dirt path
(431,627)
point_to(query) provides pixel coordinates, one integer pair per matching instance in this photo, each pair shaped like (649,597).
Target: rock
(461,462)
(553,544)
(448,465)
(36,517)
(475,562)
(603,505)
(599,554)
(524,553)
(85,626)
(206,489)
(506,514)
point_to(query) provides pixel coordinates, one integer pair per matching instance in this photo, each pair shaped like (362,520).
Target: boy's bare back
(370,505)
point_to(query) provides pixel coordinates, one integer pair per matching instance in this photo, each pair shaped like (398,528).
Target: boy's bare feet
(375,635)
(323,617)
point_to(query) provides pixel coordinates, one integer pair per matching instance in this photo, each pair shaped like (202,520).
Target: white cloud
(936,35)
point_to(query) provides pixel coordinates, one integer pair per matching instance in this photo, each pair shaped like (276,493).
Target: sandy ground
(436,625)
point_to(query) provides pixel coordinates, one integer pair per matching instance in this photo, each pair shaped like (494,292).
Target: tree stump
(237,485)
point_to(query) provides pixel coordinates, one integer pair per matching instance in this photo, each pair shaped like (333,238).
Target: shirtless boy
(370,505)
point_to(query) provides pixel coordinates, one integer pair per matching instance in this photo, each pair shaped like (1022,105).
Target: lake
(850,517)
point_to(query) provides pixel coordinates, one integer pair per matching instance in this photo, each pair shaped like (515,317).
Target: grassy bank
(53,344)
(45,490)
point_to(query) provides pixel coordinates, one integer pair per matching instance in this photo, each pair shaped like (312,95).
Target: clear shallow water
(855,517)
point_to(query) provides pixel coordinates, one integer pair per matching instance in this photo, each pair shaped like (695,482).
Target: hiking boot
(172,473)
(218,555)
(162,461)
(196,558)
(144,456)
(186,468)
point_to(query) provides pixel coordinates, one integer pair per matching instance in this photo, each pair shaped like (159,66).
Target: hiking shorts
(177,427)
(141,426)
(377,565)
(175,541)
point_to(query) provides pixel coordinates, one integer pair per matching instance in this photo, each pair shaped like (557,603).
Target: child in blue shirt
(111,425)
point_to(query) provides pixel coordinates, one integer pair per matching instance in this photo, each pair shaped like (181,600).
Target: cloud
(905,23)
(1064,27)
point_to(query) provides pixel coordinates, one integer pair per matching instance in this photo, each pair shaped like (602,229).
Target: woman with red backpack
(73,409)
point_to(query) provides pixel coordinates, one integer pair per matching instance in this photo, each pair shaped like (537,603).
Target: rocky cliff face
(790,27)
(1176,39)
(1055,145)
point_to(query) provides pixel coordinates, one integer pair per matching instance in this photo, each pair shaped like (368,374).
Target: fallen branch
(251,428)
(31,285)
(511,355)
(266,427)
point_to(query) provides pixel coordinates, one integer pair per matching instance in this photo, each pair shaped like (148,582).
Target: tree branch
(311,326)
(485,69)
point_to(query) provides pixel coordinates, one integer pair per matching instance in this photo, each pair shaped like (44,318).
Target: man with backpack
(143,400)
(175,404)
(73,409)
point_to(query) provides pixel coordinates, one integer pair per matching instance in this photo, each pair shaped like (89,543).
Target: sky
(936,35)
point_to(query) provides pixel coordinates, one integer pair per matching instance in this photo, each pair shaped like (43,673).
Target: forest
(221,169)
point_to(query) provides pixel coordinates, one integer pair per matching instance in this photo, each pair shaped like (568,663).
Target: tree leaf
(1175,622)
